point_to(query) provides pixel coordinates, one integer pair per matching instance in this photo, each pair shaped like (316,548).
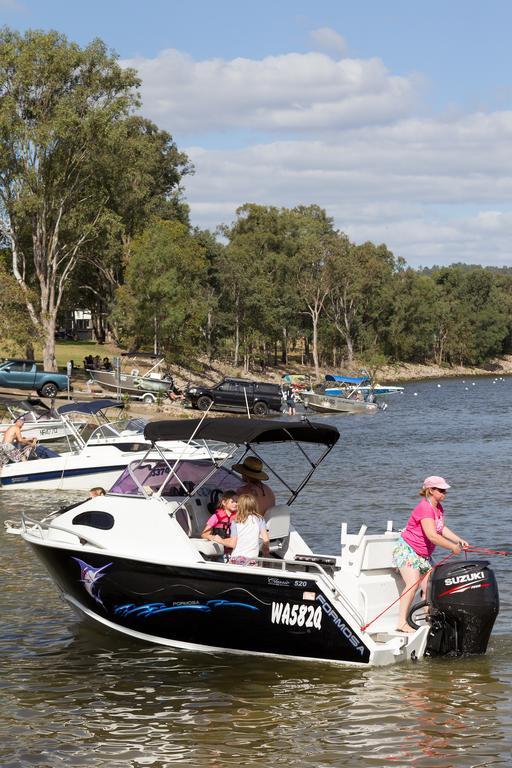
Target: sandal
(405,627)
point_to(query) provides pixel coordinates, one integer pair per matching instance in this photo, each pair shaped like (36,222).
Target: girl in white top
(246,531)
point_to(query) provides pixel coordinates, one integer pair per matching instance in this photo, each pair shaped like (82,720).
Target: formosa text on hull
(134,560)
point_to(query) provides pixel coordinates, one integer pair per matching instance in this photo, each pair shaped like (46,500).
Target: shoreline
(389,374)
(404,372)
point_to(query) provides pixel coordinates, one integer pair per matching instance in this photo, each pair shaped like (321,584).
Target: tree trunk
(314,318)
(209,325)
(49,361)
(237,333)
(284,341)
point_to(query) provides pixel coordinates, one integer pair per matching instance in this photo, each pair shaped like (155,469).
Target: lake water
(73,697)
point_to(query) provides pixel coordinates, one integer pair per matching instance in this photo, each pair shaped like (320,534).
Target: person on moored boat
(425,530)
(14,445)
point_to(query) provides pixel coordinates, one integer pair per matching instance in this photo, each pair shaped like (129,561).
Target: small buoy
(415,394)
(473,384)
(438,385)
(467,389)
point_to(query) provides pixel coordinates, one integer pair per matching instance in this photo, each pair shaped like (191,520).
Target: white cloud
(291,92)
(329,40)
(431,190)
(345,134)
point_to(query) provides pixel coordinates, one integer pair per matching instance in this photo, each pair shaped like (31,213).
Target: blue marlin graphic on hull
(90,576)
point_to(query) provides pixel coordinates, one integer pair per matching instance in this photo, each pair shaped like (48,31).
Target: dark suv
(237,395)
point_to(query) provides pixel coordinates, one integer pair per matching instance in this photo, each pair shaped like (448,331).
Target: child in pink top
(218,525)
(424,530)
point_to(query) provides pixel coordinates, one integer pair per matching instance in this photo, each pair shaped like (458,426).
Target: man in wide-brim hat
(253,474)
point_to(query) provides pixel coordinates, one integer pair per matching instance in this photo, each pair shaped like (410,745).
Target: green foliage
(15,326)
(162,299)
(79,173)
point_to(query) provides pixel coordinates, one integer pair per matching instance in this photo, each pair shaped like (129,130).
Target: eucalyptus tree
(411,330)
(316,247)
(66,154)
(149,187)
(478,322)
(161,301)
(254,268)
(15,325)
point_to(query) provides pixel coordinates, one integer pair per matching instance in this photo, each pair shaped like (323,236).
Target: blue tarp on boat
(355,380)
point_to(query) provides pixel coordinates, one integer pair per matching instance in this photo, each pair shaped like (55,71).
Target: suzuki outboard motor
(463,602)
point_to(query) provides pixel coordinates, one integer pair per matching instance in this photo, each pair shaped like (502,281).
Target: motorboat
(96,451)
(343,385)
(324,403)
(133,561)
(133,383)
(42,422)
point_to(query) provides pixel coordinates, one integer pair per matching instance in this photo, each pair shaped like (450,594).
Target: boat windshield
(150,475)
(121,428)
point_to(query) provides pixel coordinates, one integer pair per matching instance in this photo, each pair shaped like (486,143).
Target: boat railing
(41,527)
(319,570)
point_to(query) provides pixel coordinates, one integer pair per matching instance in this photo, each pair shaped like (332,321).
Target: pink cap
(434,481)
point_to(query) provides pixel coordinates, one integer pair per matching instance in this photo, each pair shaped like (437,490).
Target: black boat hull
(219,608)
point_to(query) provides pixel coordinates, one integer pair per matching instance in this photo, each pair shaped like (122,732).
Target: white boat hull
(71,471)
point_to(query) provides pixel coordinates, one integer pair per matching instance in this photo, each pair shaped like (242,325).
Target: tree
(161,302)
(317,244)
(14,324)
(63,114)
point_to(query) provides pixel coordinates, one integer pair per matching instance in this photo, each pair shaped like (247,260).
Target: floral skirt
(241,560)
(404,554)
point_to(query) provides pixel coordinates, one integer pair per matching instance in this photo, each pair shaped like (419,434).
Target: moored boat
(133,374)
(42,422)
(343,385)
(324,403)
(96,459)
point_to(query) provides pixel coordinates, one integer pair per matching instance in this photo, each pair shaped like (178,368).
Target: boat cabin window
(95,519)
(151,475)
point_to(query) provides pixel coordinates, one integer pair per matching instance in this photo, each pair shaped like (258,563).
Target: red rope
(413,586)
(485,551)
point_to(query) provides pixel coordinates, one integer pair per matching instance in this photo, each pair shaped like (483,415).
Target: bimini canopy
(347,379)
(92,407)
(240,430)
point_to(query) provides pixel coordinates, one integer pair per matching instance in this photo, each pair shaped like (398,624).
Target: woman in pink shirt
(424,530)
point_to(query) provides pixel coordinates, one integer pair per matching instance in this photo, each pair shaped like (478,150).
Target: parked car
(24,374)
(237,395)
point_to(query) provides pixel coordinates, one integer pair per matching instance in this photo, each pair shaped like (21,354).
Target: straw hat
(252,467)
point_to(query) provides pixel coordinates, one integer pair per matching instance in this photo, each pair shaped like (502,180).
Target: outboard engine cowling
(463,602)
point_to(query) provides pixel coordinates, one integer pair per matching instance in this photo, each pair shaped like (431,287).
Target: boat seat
(208,548)
(277,519)
(198,513)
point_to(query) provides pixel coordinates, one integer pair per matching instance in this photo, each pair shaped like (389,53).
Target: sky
(393,115)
